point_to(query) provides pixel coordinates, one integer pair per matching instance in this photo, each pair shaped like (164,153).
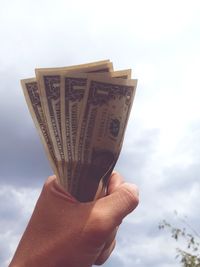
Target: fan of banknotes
(81,113)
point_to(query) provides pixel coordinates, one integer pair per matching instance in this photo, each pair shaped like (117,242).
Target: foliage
(190,256)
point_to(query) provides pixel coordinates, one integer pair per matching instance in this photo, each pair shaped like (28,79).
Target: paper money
(81,113)
(103,122)
(49,82)
(32,97)
(123,74)
(73,87)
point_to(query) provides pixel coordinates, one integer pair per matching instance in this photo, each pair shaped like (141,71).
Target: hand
(63,232)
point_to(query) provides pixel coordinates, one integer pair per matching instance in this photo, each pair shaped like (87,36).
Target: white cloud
(16,206)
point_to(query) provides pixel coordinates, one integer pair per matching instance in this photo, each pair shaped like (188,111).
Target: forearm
(63,232)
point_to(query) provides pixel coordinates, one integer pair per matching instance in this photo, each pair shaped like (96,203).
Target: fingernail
(114,173)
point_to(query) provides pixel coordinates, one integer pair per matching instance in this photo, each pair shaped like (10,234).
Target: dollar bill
(102,65)
(123,74)
(73,86)
(103,121)
(31,93)
(49,81)
(72,91)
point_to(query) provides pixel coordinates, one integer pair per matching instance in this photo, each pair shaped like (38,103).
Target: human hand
(63,232)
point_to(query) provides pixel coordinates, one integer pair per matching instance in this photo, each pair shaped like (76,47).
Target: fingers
(53,187)
(107,250)
(110,239)
(123,199)
(105,254)
(114,182)
(50,179)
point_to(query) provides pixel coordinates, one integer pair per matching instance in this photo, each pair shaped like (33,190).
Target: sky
(160,41)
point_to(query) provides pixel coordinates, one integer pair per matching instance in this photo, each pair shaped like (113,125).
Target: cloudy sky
(160,41)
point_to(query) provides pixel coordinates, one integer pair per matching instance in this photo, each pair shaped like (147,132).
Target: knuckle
(105,254)
(48,182)
(131,199)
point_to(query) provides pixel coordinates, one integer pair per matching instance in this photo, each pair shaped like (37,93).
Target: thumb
(119,204)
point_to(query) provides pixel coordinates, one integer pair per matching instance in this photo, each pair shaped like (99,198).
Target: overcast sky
(160,41)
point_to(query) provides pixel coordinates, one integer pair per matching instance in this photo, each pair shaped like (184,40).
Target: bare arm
(66,233)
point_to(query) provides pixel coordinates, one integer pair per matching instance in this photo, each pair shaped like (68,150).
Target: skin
(66,233)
